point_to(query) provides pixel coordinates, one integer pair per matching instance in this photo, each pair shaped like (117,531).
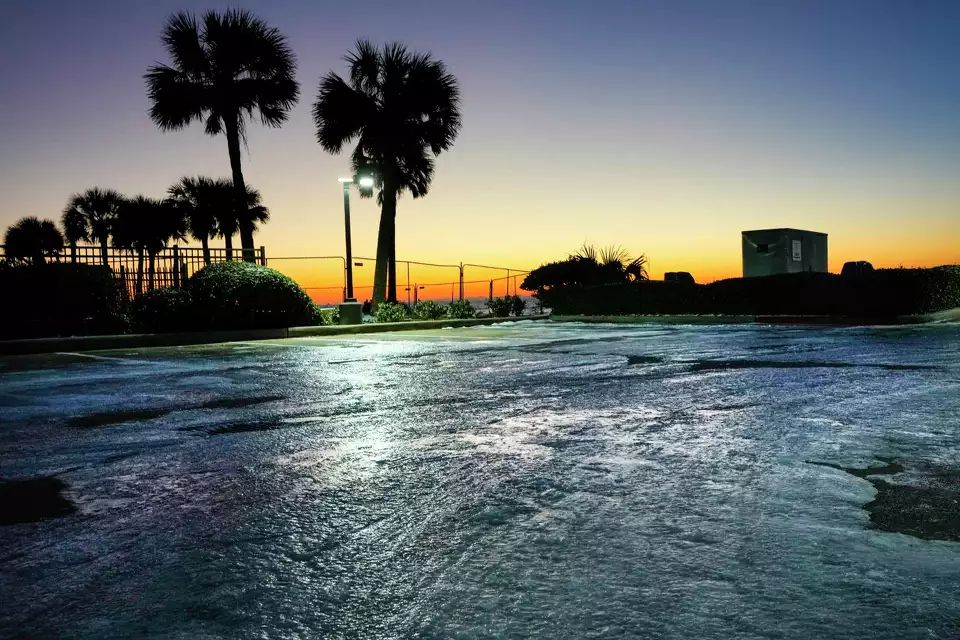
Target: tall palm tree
(222,70)
(403,108)
(193,196)
(31,239)
(145,226)
(74,229)
(99,208)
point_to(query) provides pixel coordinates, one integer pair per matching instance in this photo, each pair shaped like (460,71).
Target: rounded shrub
(162,310)
(429,310)
(243,295)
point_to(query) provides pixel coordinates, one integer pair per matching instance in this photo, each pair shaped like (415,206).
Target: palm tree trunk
(151,270)
(205,243)
(103,250)
(73,252)
(388,211)
(233,145)
(392,264)
(228,243)
(139,271)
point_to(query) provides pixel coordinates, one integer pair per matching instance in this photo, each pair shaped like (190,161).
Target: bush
(330,317)
(517,305)
(882,293)
(500,307)
(391,312)
(460,310)
(429,310)
(61,299)
(243,295)
(162,310)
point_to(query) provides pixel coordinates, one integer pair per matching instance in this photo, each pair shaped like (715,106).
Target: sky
(663,126)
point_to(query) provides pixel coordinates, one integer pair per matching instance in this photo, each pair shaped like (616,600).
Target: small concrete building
(771,251)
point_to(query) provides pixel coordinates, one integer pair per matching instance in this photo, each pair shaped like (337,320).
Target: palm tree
(74,230)
(145,226)
(31,239)
(193,196)
(403,108)
(98,208)
(229,216)
(223,70)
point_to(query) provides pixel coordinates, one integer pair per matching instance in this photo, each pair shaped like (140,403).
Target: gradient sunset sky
(664,126)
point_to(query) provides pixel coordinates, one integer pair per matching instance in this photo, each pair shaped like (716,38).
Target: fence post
(461,282)
(176,266)
(263,256)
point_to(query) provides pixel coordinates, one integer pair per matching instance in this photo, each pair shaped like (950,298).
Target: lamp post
(347,312)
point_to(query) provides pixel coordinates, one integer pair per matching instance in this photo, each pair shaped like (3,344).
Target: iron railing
(171,267)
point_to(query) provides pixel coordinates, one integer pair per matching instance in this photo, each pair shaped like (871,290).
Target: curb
(949,315)
(139,340)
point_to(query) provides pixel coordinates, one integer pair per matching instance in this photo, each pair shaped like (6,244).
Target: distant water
(531,480)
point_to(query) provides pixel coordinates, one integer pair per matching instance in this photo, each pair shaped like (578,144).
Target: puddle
(33,500)
(107,418)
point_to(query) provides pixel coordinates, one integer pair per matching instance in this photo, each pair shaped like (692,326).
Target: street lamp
(366,182)
(350,310)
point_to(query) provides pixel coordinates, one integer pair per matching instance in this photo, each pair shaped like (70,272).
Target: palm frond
(340,113)
(176,99)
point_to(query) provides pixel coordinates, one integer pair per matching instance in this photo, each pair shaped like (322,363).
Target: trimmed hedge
(882,293)
(162,310)
(60,299)
(243,295)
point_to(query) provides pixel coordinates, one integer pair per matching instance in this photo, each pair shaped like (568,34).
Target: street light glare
(344,179)
(366,182)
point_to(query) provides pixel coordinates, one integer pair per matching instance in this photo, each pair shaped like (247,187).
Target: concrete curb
(949,315)
(140,340)
(372,327)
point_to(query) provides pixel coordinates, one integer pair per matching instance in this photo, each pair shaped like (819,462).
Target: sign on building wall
(797,246)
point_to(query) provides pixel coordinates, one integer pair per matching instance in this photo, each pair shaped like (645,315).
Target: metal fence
(323,277)
(170,267)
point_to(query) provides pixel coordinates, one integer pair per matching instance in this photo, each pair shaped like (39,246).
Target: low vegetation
(881,293)
(391,312)
(428,310)
(461,310)
(60,299)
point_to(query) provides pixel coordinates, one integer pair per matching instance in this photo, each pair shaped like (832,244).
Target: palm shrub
(91,215)
(461,310)
(32,240)
(243,295)
(391,312)
(429,310)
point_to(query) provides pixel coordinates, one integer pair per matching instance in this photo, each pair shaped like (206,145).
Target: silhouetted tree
(222,70)
(74,230)
(588,267)
(32,240)
(231,215)
(403,108)
(145,226)
(98,208)
(193,196)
